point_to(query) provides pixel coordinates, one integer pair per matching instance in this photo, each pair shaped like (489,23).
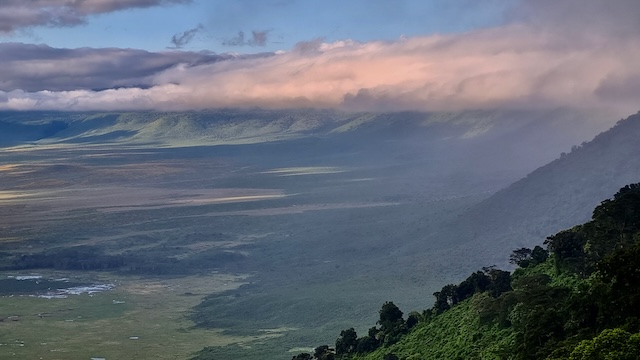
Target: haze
(194,179)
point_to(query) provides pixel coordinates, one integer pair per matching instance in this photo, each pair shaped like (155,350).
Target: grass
(314,257)
(141,319)
(455,334)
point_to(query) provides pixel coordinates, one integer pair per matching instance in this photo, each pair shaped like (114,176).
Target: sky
(360,55)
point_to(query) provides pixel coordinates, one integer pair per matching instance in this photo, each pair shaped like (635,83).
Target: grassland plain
(306,218)
(299,229)
(141,318)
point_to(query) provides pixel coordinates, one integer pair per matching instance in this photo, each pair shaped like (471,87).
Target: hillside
(551,198)
(562,192)
(548,130)
(577,299)
(503,145)
(18,133)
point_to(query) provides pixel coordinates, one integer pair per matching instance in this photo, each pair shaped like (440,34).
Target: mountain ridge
(556,195)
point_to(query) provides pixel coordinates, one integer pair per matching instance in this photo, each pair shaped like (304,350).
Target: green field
(139,318)
(319,232)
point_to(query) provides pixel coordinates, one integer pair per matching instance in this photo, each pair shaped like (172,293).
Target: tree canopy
(577,299)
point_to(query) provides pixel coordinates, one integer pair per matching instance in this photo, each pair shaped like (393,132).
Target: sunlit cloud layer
(537,60)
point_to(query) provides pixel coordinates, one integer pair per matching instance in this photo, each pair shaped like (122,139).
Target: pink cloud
(510,66)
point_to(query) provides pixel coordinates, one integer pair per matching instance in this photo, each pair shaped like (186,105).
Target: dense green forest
(578,297)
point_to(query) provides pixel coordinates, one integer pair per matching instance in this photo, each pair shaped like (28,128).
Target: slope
(558,194)
(19,133)
(577,299)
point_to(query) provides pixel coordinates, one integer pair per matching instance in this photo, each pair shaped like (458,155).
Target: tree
(390,316)
(520,257)
(392,325)
(324,352)
(568,248)
(303,356)
(369,343)
(615,223)
(445,298)
(621,271)
(611,344)
(347,342)
(525,257)
(413,319)
(500,281)
(476,283)
(539,255)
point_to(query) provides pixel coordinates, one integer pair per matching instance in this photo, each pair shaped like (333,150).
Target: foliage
(611,344)
(490,279)
(347,342)
(303,356)
(413,319)
(392,324)
(525,257)
(324,352)
(577,299)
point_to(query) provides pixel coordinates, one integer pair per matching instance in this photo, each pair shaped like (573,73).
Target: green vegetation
(577,299)
(139,319)
(110,195)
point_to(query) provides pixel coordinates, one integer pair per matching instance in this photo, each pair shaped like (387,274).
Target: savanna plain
(254,248)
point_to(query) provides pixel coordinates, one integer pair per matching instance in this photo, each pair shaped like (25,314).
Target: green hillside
(553,129)
(577,298)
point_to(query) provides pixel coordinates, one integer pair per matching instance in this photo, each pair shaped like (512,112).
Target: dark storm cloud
(40,67)
(181,39)
(16,14)
(258,38)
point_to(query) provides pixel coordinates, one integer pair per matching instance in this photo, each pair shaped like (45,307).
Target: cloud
(39,67)
(575,17)
(309,47)
(181,39)
(533,61)
(258,38)
(16,14)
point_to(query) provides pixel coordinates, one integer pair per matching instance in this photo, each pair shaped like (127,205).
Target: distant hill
(490,140)
(559,194)
(19,133)
(256,125)
(494,146)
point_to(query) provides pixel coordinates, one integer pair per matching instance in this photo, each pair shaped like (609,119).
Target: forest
(576,297)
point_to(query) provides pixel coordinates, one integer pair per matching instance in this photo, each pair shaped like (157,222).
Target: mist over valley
(314,213)
(361,180)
